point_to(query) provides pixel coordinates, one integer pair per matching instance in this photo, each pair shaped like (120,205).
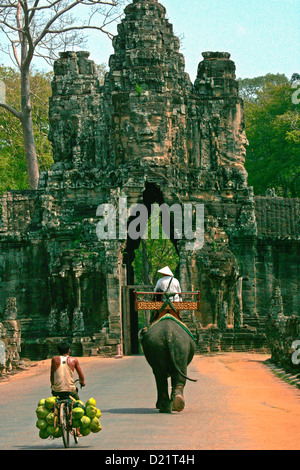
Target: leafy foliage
(251,87)
(152,255)
(13,170)
(273,131)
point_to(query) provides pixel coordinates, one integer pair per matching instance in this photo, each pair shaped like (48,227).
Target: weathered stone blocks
(151,135)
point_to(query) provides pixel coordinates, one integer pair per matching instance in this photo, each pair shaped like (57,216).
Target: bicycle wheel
(64,424)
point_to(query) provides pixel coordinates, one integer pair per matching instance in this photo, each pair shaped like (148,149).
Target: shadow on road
(131,411)
(51,447)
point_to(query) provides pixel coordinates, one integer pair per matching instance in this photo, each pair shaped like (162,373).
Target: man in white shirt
(167,283)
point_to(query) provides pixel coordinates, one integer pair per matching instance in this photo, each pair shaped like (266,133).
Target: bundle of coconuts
(85,417)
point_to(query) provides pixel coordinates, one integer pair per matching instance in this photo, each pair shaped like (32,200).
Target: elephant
(169,348)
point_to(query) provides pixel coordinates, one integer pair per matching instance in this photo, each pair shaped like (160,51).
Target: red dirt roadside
(269,406)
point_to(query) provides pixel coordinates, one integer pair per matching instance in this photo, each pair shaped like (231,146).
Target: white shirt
(163,283)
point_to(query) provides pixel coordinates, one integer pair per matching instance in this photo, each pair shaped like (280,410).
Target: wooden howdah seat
(162,303)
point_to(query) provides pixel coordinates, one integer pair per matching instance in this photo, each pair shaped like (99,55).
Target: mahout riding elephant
(169,348)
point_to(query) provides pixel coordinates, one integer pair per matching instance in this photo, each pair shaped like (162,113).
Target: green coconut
(85,431)
(44,434)
(85,422)
(42,402)
(98,429)
(98,414)
(91,411)
(91,402)
(50,418)
(52,431)
(77,413)
(42,412)
(50,402)
(76,423)
(41,424)
(94,424)
(58,432)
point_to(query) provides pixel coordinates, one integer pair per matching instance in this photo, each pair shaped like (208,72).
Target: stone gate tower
(151,136)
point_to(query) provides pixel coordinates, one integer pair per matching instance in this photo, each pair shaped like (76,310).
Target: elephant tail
(176,366)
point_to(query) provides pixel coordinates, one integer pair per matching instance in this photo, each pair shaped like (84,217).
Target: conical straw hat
(166,271)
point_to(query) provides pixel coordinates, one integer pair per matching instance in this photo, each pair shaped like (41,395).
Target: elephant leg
(177,399)
(178,402)
(163,403)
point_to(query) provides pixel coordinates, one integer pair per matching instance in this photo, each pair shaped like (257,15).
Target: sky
(262,36)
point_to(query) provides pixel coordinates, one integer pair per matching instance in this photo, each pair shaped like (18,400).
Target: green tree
(13,168)
(31,28)
(273,131)
(151,256)
(251,87)
(154,254)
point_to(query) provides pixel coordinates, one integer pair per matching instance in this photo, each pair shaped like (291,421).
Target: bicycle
(63,412)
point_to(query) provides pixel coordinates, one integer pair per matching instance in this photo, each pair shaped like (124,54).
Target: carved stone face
(145,130)
(241,144)
(236,140)
(241,141)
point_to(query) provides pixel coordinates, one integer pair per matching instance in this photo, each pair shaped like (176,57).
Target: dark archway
(152,195)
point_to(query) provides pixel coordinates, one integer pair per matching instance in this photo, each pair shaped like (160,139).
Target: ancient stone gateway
(151,136)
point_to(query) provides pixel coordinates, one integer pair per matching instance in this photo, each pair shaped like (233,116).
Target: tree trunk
(146,265)
(27,125)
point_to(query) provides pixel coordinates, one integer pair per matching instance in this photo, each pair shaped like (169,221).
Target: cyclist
(62,373)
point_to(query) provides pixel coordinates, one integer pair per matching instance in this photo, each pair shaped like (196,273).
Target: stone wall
(10,338)
(151,136)
(283,331)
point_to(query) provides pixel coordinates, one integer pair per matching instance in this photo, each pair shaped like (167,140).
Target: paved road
(237,403)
